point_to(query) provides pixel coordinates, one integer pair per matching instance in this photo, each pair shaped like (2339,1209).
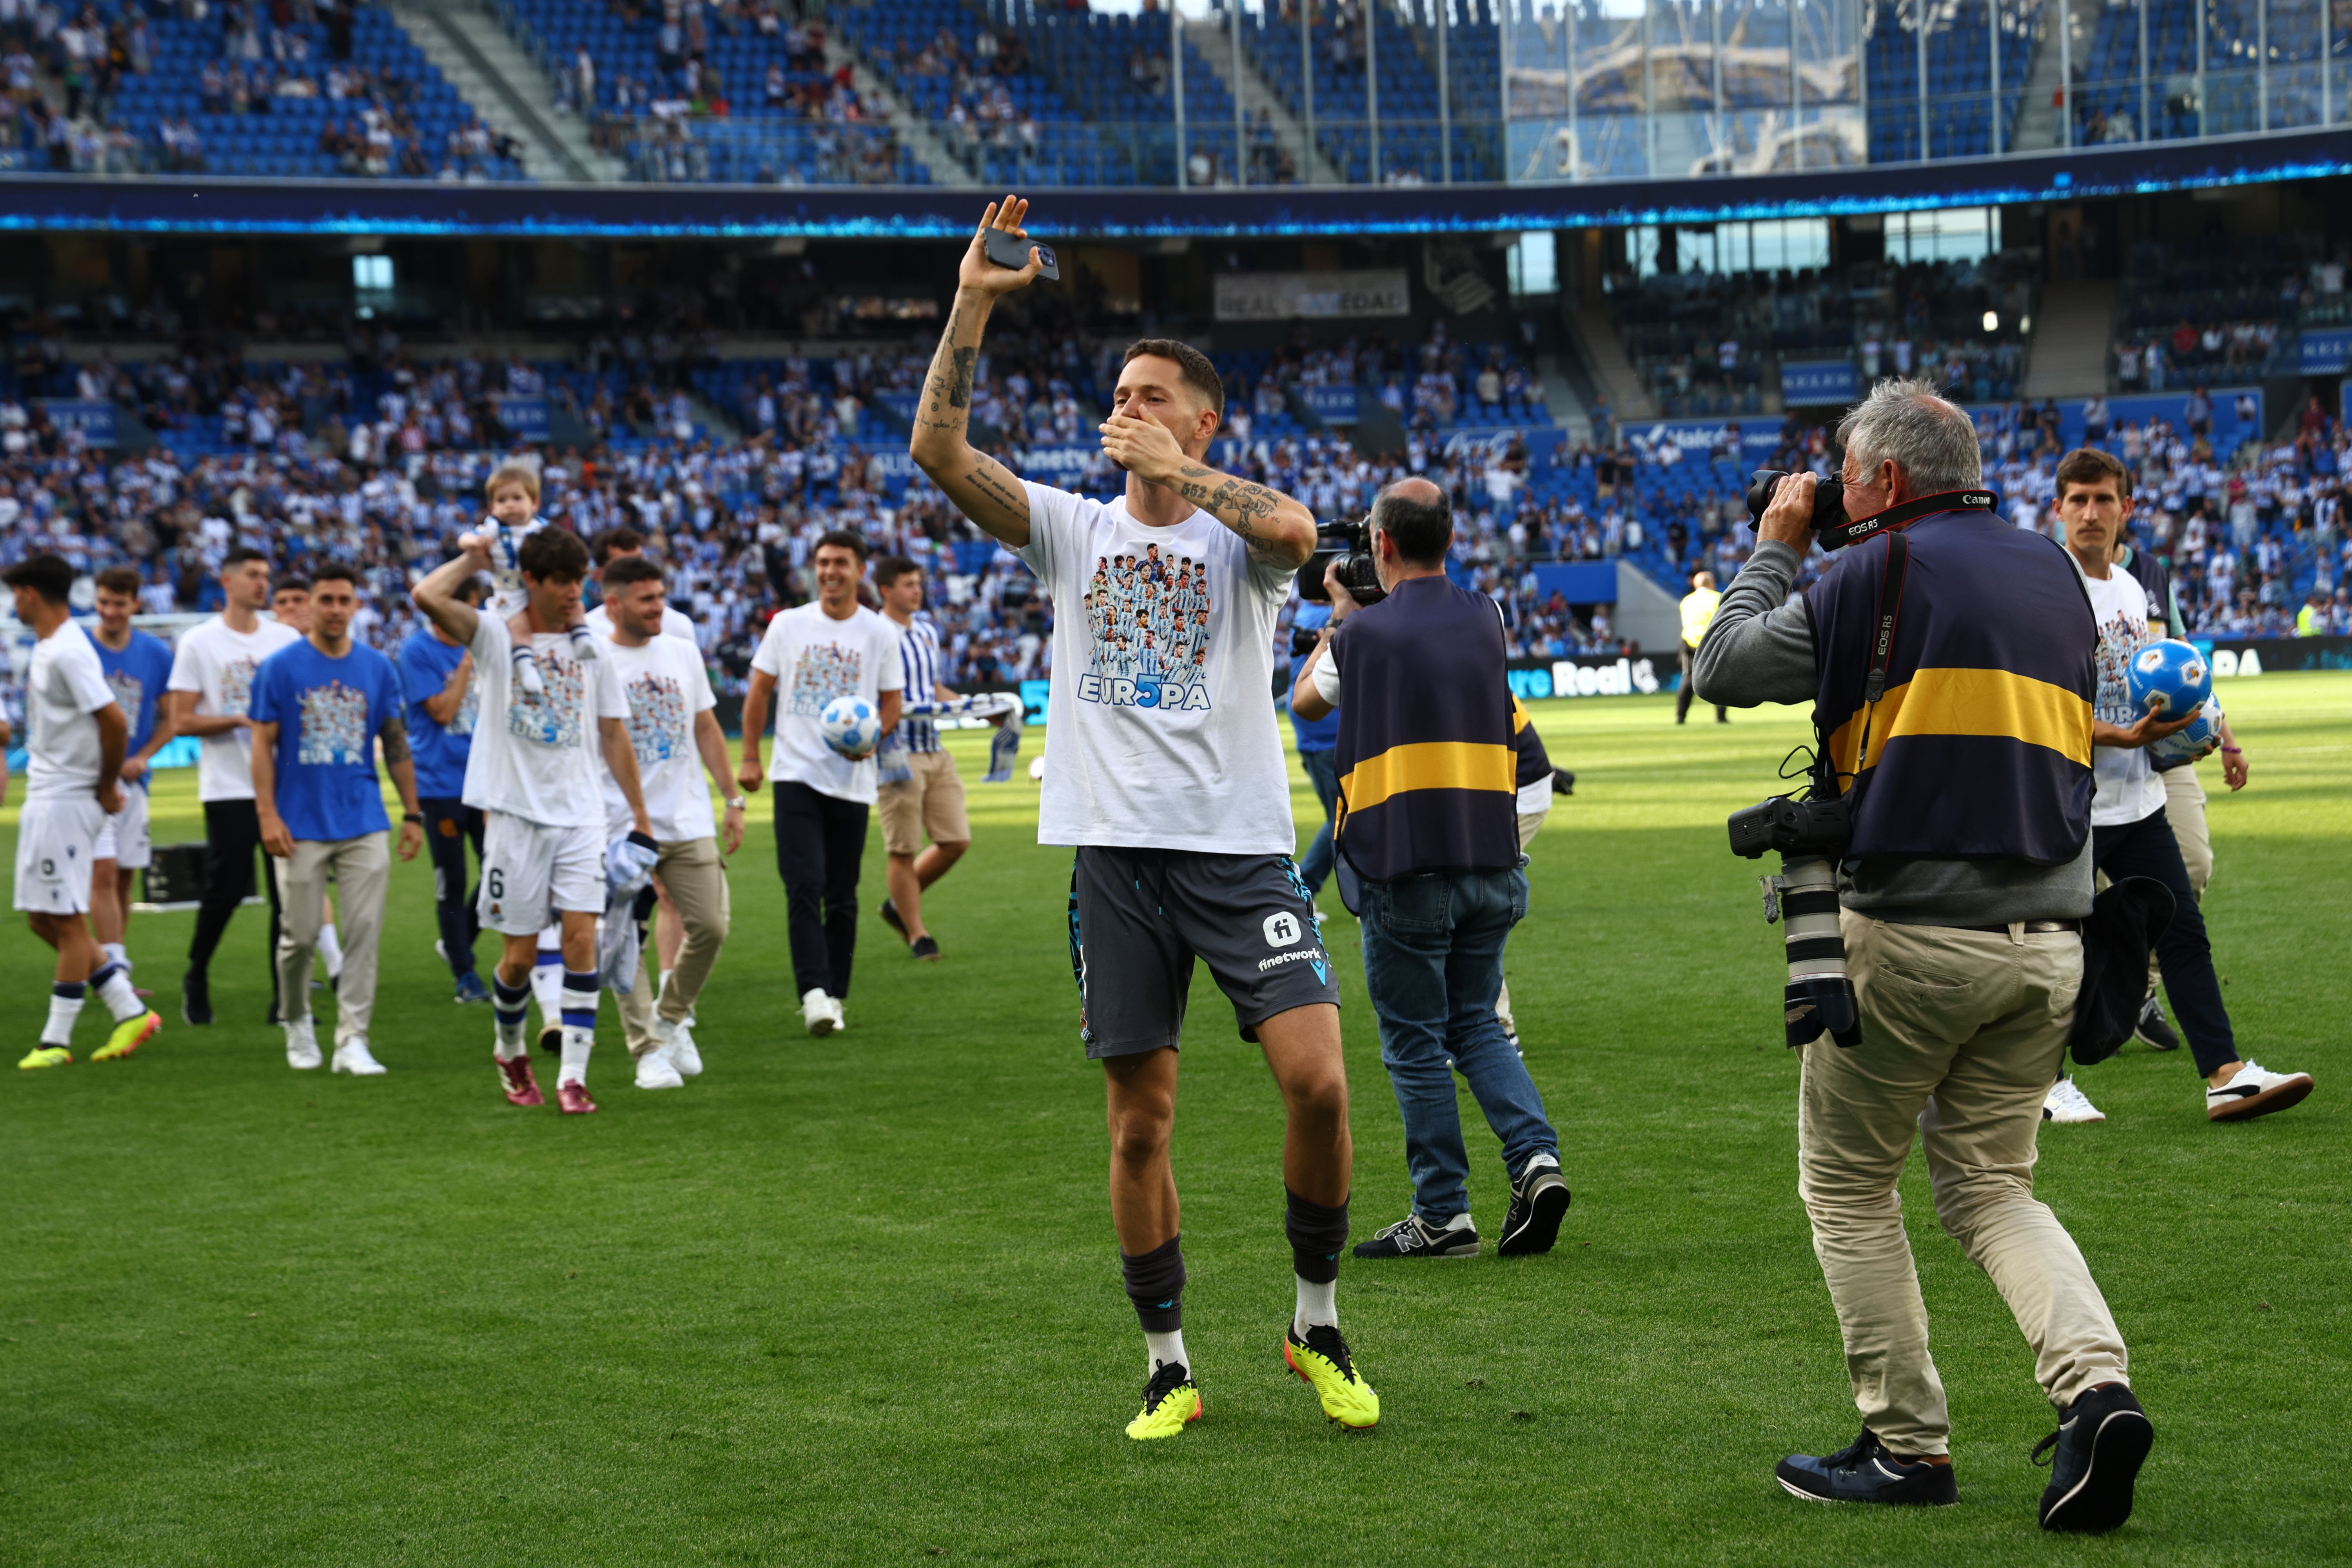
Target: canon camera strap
(1894,517)
(1882,653)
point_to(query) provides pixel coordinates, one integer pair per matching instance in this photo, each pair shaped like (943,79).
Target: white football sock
(65,1006)
(331,948)
(547,981)
(510,1006)
(115,954)
(577,1044)
(579,1027)
(1168,1347)
(114,989)
(1317,1304)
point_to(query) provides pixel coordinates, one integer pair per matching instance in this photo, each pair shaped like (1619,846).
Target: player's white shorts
(123,839)
(57,839)
(530,870)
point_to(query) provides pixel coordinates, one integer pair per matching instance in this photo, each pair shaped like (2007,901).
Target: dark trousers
(232,838)
(448,825)
(820,843)
(2147,848)
(1683,698)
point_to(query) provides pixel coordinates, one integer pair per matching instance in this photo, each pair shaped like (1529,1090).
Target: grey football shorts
(1138,918)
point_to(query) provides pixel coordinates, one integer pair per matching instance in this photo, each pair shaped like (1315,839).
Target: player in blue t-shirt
(437,675)
(138,666)
(318,708)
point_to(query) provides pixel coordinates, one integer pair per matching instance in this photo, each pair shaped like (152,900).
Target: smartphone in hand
(1012,250)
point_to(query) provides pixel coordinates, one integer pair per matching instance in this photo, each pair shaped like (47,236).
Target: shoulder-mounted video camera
(1350,543)
(1833,529)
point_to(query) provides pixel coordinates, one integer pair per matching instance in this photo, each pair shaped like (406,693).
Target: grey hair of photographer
(1901,441)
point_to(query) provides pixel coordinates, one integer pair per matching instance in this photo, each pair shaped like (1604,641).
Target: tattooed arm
(1279,531)
(982,488)
(401,764)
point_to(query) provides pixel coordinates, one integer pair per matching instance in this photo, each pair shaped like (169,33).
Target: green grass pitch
(858,1301)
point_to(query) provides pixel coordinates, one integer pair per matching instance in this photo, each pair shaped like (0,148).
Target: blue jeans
(1323,772)
(1433,964)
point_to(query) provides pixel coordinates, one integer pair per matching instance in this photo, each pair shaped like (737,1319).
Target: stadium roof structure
(227,205)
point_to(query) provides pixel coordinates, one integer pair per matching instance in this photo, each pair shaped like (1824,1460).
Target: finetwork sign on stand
(1312,296)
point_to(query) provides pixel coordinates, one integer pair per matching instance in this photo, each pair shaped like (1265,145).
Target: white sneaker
(2064,1102)
(2254,1091)
(353,1057)
(654,1071)
(302,1044)
(820,1012)
(683,1055)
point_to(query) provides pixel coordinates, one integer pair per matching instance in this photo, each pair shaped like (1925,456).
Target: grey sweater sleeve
(1759,647)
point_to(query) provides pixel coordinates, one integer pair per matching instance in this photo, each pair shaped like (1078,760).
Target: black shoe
(196,997)
(2100,1445)
(1538,1203)
(270,1018)
(550,1040)
(1409,1237)
(889,913)
(2152,1029)
(924,947)
(1864,1471)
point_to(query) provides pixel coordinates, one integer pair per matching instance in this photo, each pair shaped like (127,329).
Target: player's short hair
(473,590)
(627,569)
(2089,466)
(620,541)
(48,576)
(1199,373)
(1422,529)
(553,555)
(848,539)
(122,580)
(524,474)
(890,568)
(335,571)
(290,583)
(238,555)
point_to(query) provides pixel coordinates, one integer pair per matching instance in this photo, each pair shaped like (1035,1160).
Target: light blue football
(2168,679)
(850,725)
(2188,745)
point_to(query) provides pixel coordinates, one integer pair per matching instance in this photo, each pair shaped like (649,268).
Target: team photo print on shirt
(1148,613)
(335,725)
(657,718)
(823,671)
(551,717)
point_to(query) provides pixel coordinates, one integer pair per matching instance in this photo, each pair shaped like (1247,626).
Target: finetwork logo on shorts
(656,718)
(334,725)
(1148,622)
(823,673)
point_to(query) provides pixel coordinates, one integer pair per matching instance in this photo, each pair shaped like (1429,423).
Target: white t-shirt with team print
(666,688)
(539,757)
(2125,785)
(217,664)
(815,659)
(1162,731)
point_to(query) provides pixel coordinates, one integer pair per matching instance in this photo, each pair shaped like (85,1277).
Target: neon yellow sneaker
(45,1056)
(128,1037)
(1171,1400)
(1321,1360)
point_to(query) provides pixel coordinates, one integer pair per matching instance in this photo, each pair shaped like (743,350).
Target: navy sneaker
(2100,1447)
(471,989)
(1409,1237)
(2152,1029)
(1864,1471)
(1538,1201)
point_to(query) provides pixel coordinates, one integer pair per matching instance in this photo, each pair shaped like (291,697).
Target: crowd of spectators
(2224,309)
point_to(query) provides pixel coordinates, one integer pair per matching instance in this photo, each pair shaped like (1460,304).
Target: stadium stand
(2212,310)
(122,89)
(1410,133)
(1960,105)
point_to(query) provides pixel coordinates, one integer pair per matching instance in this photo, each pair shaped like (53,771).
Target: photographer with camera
(1429,826)
(1949,661)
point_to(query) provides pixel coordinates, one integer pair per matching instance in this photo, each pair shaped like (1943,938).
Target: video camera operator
(1961,738)
(1429,826)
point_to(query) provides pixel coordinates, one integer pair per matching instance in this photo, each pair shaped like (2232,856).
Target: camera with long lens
(1350,543)
(1829,504)
(1809,834)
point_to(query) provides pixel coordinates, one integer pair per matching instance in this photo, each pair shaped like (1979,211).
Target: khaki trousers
(694,875)
(1961,1032)
(1530,824)
(362,868)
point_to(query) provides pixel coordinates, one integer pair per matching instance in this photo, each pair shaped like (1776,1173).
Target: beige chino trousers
(1961,1032)
(694,874)
(361,870)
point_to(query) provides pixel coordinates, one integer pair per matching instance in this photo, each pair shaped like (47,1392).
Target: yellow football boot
(1321,1360)
(1171,1400)
(128,1037)
(45,1056)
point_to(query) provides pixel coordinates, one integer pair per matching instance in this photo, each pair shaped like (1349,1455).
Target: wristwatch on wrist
(734,803)
(415,816)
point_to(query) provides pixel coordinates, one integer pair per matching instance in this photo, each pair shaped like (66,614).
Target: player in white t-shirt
(76,733)
(832,648)
(2131,835)
(211,686)
(1174,791)
(674,728)
(534,771)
